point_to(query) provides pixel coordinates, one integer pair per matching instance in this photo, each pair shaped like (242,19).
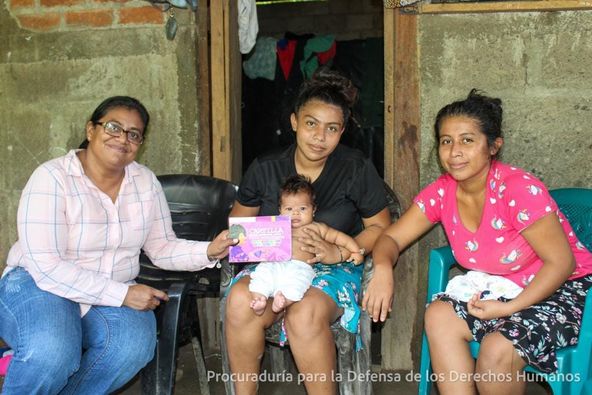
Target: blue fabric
(342,282)
(57,351)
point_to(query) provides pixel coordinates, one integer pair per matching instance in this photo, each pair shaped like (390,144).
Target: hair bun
(493,103)
(330,79)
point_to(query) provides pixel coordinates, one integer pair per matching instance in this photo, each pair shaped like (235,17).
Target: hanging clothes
(314,46)
(262,62)
(286,49)
(248,26)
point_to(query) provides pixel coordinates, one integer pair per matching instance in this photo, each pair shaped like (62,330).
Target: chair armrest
(171,311)
(441,260)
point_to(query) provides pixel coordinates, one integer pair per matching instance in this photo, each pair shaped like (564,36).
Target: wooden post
(226,90)
(203,88)
(402,142)
(219,97)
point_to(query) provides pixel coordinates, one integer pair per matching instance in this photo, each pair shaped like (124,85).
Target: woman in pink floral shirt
(502,221)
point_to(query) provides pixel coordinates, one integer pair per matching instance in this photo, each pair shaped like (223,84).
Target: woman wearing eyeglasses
(69,306)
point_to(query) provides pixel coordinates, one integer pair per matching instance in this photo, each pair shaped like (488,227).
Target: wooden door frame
(402,332)
(402,141)
(225,77)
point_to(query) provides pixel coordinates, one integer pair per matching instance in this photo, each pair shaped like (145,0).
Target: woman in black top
(350,198)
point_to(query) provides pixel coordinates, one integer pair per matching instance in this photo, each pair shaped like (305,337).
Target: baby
(288,281)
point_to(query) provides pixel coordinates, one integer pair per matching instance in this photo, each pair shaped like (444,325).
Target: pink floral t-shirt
(514,200)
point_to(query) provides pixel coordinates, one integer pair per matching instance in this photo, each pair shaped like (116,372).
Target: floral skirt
(538,331)
(342,282)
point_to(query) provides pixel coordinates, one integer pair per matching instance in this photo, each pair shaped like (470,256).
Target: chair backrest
(199,204)
(576,205)
(199,208)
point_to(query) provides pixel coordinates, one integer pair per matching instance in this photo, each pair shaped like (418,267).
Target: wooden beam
(203,88)
(389,95)
(402,142)
(403,108)
(504,6)
(226,90)
(234,93)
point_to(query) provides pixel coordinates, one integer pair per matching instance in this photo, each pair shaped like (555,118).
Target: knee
(141,350)
(437,316)
(305,319)
(137,351)
(54,360)
(495,354)
(128,343)
(238,312)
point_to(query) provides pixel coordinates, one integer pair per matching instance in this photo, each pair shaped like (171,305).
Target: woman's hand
(142,297)
(488,309)
(323,251)
(378,298)
(218,248)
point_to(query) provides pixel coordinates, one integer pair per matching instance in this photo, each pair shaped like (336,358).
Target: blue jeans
(57,351)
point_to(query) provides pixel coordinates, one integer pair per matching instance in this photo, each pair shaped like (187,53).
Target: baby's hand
(356,258)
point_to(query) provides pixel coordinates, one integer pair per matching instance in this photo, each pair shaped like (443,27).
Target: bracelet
(340,254)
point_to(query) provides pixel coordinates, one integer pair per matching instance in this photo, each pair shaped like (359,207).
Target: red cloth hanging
(286,50)
(329,54)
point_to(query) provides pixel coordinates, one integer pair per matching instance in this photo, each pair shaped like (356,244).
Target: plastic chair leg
(198,354)
(425,368)
(200,362)
(158,377)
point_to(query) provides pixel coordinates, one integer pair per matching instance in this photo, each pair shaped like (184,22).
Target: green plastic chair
(573,362)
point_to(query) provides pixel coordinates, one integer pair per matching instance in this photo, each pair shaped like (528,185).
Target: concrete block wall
(53,75)
(346,19)
(539,64)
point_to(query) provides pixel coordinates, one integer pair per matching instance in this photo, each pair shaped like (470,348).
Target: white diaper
(293,278)
(491,287)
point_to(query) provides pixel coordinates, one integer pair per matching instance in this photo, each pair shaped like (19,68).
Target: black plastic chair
(199,208)
(348,359)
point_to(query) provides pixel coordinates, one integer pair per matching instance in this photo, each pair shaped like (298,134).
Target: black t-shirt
(347,190)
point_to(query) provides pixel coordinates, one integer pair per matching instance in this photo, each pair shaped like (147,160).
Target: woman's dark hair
(330,87)
(296,184)
(121,101)
(487,111)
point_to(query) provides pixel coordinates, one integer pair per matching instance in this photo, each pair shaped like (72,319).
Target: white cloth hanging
(248,27)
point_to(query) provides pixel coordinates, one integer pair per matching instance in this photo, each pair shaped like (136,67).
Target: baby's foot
(258,304)
(279,302)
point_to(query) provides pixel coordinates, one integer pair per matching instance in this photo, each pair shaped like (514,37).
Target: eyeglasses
(115,130)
